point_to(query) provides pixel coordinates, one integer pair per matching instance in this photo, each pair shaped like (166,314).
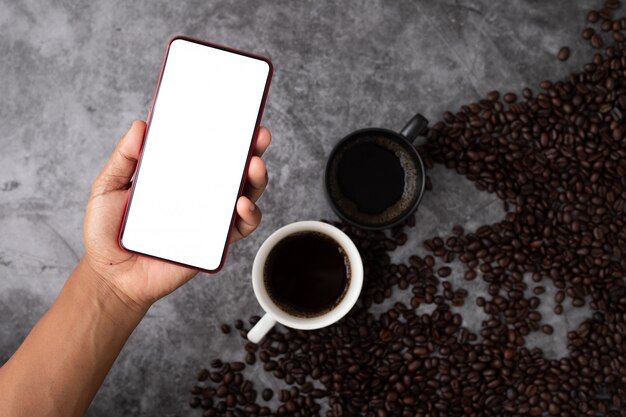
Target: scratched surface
(73,75)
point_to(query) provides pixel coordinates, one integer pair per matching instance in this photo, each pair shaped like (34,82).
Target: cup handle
(261,328)
(416,126)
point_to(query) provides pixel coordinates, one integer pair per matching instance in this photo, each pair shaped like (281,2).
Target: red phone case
(245,171)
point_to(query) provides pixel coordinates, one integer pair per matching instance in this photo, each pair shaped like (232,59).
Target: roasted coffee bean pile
(557,159)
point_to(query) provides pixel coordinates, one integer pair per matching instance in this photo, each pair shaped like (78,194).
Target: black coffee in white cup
(306,275)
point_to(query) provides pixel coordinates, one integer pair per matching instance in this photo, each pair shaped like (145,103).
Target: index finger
(263,141)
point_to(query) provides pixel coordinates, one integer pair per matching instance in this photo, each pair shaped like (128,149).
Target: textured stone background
(74,74)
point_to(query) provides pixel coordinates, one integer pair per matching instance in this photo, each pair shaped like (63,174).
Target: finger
(263,141)
(120,167)
(248,216)
(257,179)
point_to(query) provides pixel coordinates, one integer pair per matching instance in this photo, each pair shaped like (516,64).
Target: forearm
(65,358)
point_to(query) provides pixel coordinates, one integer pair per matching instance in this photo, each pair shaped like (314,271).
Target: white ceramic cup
(273,313)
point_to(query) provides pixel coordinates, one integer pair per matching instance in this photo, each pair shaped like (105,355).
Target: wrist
(106,296)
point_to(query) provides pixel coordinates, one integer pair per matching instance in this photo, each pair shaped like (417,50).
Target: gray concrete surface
(74,74)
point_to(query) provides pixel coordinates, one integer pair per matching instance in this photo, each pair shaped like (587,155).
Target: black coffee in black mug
(307,274)
(374,177)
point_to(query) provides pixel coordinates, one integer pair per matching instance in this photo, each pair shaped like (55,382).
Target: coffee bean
(228,377)
(203,375)
(237,366)
(493,96)
(470,275)
(598,316)
(587,33)
(510,98)
(559,297)
(408,400)
(444,271)
(458,230)
(206,403)
(564,53)
(225,328)
(390,245)
(509,354)
(596,41)
(209,392)
(401,239)
(554,409)
(267,394)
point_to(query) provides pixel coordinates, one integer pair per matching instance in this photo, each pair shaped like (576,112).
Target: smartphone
(200,136)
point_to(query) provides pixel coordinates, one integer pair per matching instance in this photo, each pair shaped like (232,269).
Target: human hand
(138,280)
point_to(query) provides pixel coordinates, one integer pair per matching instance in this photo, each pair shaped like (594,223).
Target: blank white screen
(194,155)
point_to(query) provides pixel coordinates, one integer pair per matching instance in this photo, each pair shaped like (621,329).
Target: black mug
(375,178)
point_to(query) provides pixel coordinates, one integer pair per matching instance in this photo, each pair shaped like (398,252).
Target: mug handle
(261,328)
(416,126)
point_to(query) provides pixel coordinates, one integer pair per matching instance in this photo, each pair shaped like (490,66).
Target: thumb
(120,167)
